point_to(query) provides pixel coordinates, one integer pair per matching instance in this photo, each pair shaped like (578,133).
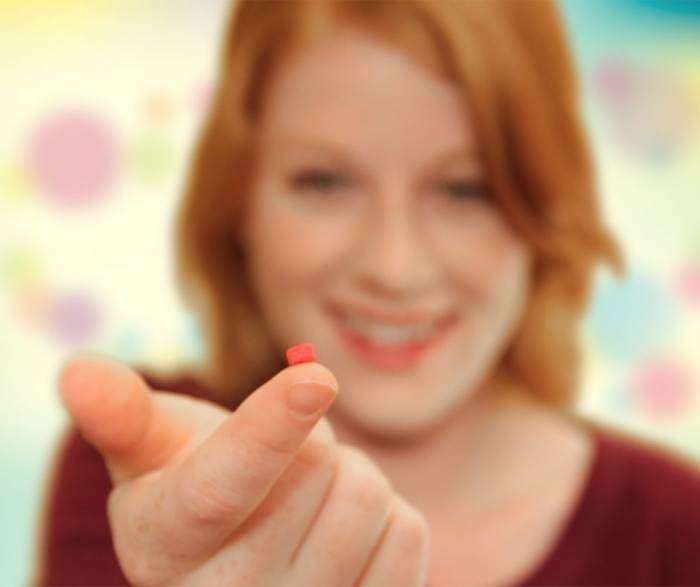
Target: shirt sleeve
(75,546)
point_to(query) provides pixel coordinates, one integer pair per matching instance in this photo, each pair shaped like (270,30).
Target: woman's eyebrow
(462,154)
(323,146)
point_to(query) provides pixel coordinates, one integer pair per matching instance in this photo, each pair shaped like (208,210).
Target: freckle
(301,353)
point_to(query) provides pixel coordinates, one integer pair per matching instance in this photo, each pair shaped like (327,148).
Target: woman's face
(371,234)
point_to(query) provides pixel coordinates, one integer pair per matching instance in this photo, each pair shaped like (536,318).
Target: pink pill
(301,353)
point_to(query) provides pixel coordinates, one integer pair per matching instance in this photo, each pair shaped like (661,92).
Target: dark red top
(637,520)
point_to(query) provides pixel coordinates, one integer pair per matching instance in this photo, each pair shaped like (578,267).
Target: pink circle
(201,98)
(615,80)
(73,157)
(688,283)
(74,318)
(663,387)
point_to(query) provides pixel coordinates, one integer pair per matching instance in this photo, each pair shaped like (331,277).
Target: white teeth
(387,334)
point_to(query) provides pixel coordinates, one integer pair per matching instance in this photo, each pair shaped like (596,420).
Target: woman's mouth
(388,345)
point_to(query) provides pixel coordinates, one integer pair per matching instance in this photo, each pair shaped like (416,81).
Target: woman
(408,186)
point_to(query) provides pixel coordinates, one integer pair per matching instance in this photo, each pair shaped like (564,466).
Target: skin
(368,491)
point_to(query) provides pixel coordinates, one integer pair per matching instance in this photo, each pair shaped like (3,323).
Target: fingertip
(311,372)
(69,378)
(107,400)
(76,370)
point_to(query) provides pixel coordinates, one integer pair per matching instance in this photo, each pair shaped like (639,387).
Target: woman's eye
(321,181)
(466,190)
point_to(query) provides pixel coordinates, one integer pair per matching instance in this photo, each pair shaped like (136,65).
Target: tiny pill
(301,353)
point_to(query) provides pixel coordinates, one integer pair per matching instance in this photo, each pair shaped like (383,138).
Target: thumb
(115,411)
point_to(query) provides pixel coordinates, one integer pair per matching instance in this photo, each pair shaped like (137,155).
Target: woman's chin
(384,423)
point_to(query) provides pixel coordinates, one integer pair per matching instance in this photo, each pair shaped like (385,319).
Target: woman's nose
(394,255)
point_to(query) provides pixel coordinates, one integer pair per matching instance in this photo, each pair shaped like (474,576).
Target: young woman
(408,186)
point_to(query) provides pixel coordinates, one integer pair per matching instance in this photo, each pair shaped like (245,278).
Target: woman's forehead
(315,145)
(320,105)
(355,73)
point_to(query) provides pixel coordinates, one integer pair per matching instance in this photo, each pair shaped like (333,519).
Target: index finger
(219,484)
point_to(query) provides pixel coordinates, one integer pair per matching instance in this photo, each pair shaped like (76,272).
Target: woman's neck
(474,458)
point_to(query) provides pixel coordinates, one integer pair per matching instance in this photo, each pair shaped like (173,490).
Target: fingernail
(308,398)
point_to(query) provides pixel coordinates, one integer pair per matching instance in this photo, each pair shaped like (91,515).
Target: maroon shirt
(636,522)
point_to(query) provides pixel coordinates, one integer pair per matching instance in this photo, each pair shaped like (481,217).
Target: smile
(391,346)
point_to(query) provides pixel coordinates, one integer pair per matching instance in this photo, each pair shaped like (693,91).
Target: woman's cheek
(300,245)
(496,261)
(479,259)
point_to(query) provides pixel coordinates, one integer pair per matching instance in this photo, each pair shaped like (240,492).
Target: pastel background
(101,103)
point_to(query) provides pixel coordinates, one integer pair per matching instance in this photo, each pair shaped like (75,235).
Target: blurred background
(101,103)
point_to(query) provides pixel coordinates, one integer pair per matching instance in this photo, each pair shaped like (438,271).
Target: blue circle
(630,318)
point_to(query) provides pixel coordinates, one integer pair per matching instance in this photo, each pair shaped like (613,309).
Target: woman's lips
(393,356)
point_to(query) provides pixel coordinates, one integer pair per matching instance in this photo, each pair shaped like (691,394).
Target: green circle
(152,157)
